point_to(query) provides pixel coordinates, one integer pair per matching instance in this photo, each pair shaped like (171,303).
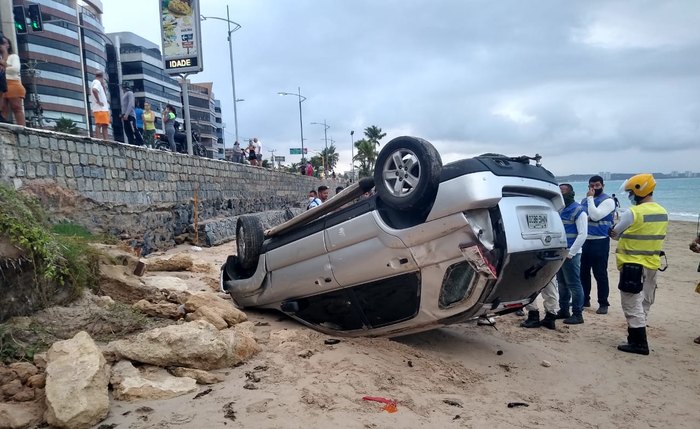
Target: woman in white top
(14,97)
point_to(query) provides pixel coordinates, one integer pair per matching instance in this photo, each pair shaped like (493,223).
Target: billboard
(181,36)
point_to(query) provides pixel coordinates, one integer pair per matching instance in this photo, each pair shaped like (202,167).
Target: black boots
(636,342)
(533,320)
(548,321)
(575,319)
(563,314)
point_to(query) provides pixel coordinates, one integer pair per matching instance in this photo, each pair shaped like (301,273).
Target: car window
(459,279)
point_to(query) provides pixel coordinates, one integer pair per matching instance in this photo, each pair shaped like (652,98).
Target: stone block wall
(138,192)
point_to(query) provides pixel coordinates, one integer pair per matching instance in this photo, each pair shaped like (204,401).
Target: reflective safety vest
(569,214)
(642,242)
(600,227)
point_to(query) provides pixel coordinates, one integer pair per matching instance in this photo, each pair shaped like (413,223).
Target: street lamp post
(352,154)
(236,27)
(325,138)
(301,122)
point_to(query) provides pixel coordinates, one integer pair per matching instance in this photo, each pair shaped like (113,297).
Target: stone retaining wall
(138,192)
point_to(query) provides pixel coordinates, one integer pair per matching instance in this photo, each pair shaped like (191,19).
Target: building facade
(59,63)
(203,115)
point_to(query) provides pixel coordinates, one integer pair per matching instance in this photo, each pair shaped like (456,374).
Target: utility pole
(272,156)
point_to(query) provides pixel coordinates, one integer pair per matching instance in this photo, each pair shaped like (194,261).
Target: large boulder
(77,378)
(219,312)
(129,383)
(172,284)
(196,344)
(118,283)
(167,310)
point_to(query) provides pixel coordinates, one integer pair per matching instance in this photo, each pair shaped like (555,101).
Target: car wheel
(249,239)
(407,172)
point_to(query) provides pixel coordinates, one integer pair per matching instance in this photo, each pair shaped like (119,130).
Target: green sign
(297,150)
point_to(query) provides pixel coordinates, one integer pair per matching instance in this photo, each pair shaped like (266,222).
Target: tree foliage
(65,125)
(367,151)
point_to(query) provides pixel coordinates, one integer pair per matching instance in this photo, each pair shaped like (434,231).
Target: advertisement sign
(279,159)
(181,36)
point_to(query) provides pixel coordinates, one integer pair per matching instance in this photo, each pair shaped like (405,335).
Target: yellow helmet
(640,185)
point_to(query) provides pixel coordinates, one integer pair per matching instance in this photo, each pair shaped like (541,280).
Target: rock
(37,380)
(202,377)
(165,310)
(246,346)
(223,308)
(103,301)
(122,287)
(21,415)
(25,394)
(177,262)
(173,284)
(40,361)
(7,375)
(130,383)
(208,314)
(12,388)
(196,344)
(546,364)
(77,376)
(24,370)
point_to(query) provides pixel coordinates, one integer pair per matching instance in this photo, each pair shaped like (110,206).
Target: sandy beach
(462,375)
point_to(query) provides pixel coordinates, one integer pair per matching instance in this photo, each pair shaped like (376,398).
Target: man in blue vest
(600,209)
(569,276)
(641,233)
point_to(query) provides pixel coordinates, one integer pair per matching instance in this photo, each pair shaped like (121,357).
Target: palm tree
(374,134)
(331,157)
(66,125)
(367,156)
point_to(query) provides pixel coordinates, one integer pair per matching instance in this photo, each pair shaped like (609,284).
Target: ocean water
(680,197)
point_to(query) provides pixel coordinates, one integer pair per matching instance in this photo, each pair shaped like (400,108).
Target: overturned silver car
(434,245)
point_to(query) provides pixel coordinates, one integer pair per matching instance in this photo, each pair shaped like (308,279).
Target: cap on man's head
(99,73)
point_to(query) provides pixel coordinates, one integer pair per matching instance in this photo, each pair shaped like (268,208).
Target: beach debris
(453,402)
(202,393)
(229,412)
(262,323)
(261,368)
(331,341)
(517,404)
(506,367)
(305,354)
(250,386)
(457,417)
(546,363)
(409,363)
(499,352)
(389,404)
(251,376)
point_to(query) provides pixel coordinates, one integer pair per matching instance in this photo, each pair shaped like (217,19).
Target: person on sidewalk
(128,116)
(100,105)
(569,276)
(550,296)
(641,233)
(600,209)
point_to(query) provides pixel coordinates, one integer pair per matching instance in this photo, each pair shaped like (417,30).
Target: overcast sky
(590,85)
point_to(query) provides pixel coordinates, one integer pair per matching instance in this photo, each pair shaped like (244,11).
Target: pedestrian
(237,153)
(128,116)
(252,156)
(599,207)
(641,233)
(695,247)
(617,207)
(314,201)
(13,98)
(100,105)
(149,124)
(550,296)
(338,189)
(258,150)
(569,275)
(138,114)
(169,116)
(309,169)
(323,193)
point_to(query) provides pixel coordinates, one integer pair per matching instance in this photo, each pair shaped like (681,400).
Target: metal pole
(301,124)
(233,80)
(186,107)
(352,154)
(325,138)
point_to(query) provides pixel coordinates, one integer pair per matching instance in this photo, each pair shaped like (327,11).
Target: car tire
(249,240)
(407,173)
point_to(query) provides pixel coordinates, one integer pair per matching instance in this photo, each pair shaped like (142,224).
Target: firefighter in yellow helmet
(641,233)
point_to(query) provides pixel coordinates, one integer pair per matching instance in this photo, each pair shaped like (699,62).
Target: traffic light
(34,12)
(20,20)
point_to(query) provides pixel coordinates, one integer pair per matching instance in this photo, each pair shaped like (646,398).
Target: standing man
(323,193)
(600,208)
(128,116)
(258,150)
(100,105)
(569,275)
(641,233)
(550,296)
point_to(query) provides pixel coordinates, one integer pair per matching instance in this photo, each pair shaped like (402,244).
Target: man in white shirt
(258,150)
(100,106)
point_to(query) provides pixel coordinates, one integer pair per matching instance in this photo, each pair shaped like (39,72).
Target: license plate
(537,221)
